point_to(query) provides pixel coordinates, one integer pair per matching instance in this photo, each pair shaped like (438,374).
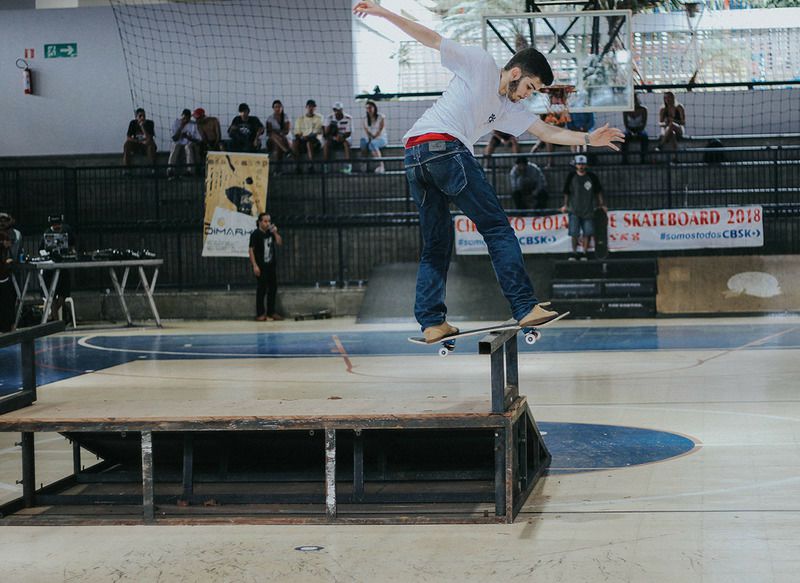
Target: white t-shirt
(471,106)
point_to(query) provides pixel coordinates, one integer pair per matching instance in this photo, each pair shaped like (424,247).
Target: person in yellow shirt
(307,132)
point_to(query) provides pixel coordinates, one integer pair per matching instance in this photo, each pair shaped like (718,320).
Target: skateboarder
(441,167)
(582,194)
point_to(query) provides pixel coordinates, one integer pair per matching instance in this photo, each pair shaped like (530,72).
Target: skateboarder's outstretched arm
(604,136)
(413,29)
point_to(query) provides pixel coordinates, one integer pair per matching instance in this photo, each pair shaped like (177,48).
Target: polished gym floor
(676,449)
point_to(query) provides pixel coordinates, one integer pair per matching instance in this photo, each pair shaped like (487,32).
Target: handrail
(26,339)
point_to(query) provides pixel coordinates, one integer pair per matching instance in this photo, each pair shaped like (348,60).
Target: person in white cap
(337,129)
(582,194)
(441,167)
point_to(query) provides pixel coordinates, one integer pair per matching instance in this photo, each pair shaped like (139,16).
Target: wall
(81,104)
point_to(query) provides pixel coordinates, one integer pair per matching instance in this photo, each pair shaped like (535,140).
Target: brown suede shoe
(436,333)
(261,318)
(538,316)
(276,316)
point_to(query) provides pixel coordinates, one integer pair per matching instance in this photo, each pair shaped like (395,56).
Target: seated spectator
(140,139)
(337,130)
(501,138)
(580,122)
(185,138)
(672,119)
(528,185)
(278,132)
(245,131)
(557,118)
(307,132)
(635,129)
(375,135)
(210,132)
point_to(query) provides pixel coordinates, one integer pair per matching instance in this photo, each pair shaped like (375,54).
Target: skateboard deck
(600,219)
(448,343)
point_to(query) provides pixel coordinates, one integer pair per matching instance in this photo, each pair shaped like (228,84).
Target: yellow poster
(236,191)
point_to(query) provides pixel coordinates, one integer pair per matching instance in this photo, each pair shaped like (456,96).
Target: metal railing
(337,226)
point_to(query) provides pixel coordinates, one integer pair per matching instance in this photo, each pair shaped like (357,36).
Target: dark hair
(260,215)
(521,160)
(243,107)
(311,102)
(375,105)
(283,113)
(533,64)
(140,110)
(186,113)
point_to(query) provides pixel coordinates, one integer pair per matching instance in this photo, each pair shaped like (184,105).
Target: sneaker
(572,257)
(538,316)
(434,333)
(261,318)
(380,170)
(585,257)
(347,169)
(276,317)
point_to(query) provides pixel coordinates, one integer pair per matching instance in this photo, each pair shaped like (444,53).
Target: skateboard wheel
(532,337)
(444,351)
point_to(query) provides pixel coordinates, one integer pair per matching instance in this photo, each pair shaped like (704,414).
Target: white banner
(656,230)
(236,191)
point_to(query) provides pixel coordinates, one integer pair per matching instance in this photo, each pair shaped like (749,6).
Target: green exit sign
(63,50)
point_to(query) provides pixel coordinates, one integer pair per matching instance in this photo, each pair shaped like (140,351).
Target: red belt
(430,137)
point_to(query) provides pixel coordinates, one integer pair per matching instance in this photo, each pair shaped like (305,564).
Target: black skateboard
(448,343)
(600,220)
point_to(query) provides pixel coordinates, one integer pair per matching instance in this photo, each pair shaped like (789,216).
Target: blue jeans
(439,173)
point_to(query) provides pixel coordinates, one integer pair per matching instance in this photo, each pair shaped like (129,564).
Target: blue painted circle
(585,447)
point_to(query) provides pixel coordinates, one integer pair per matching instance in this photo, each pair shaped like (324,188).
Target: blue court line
(67,356)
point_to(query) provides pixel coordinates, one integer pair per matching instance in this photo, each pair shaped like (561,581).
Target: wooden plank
(257,414)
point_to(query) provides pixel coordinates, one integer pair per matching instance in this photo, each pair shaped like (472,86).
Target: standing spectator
(58,240)
(140,139)
(528,184)
(185,138)
(635,129)
(10,242)
(8,294)
(672,119)
(499,138)
(245,131)
(7,226)
(210,132)
(262,259)
(375,135)
(307,132)
(337,130)
(278,132)
(582,194)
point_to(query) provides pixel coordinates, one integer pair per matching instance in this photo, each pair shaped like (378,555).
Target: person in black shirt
(262,259)
(58,240)
(245,131)
(582,194)
(140,139)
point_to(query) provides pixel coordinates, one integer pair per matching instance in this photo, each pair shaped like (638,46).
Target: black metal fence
(337,226)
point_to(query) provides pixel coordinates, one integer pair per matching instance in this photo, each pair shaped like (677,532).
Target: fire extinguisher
(27,76)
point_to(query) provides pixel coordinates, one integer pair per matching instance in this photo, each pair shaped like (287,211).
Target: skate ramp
(728,284)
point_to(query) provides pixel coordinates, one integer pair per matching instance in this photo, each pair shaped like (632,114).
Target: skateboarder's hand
(606,136)
(362,9)
(256,271)
(563,209)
